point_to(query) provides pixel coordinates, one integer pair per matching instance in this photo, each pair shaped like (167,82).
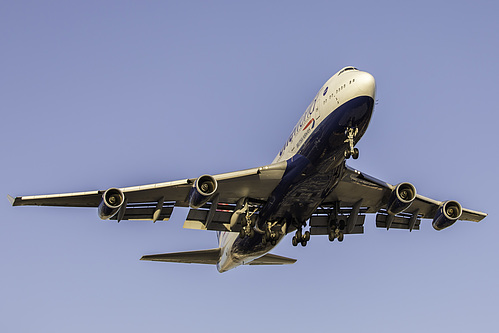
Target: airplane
(308,181)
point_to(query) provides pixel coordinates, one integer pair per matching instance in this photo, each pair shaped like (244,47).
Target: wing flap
(200,219)
(146,211)
(318,225)
(399,221)
(196,219)
(208,257)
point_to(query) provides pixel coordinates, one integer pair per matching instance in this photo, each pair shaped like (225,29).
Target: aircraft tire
(306,236)
(294,241)
(298,235)
(340,237)
(331,236)
(342,224)
(355,154)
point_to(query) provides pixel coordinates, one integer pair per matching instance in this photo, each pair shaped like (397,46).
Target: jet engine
(401,198)
(448,213)
(111,202)
(202,191)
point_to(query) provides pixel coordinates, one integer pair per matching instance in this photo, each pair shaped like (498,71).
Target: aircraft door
(315,112)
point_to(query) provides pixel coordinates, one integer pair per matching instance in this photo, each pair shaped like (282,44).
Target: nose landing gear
(351,151)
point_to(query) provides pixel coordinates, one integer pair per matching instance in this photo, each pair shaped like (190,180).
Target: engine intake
(111,202)
(448,213)
(401,198)
(202,191)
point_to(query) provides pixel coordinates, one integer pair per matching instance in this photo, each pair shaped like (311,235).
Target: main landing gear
(301,238)
(248,229)
(336,224)
(351,151)
(336,231)
(270,235)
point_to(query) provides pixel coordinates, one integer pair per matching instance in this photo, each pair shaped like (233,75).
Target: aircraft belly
(316,168)
(310,176)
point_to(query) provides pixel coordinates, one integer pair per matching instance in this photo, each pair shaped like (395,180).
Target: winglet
(11,199)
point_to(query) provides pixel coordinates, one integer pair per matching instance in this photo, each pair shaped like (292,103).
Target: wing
(157,201)
(358,194)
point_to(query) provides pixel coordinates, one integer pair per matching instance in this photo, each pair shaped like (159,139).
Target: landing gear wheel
(298,234)
(273,242)
(342,224)
(351,133)
(340,237)
(331,236)
(355,154)
(242,233)
(301,238)
(294,241)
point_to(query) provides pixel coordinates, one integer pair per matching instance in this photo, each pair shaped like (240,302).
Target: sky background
(110,94)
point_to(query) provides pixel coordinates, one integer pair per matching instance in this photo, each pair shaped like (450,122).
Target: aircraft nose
(366,84)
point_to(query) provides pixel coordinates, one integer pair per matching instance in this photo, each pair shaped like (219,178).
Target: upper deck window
(347,69)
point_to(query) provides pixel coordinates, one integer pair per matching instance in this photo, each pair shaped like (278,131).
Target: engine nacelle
(448,213)
(111,202)
(202,191)
(401,198)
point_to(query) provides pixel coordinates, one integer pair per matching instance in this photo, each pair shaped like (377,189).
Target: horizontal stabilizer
(209,257)
(272,259)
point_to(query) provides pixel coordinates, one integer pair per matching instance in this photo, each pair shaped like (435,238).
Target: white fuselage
(342,87)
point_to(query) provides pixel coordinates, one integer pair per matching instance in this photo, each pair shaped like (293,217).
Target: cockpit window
(347,69)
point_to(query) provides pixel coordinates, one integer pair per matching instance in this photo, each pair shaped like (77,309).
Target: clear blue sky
(97,94)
